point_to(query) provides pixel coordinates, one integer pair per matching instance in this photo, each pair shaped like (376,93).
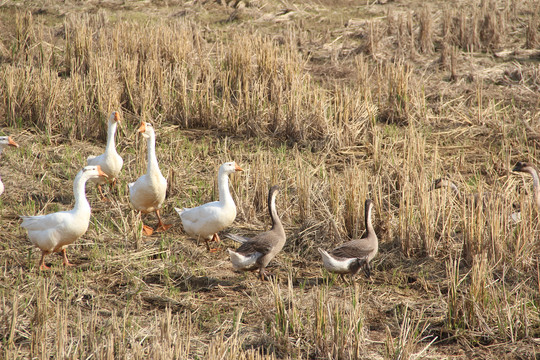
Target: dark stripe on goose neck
(367,218)
(272,205)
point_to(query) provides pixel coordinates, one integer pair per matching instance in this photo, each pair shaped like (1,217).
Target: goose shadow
(187,282)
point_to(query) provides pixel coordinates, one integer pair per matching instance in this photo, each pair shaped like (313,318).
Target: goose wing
(359,248)
(260,245)
(201,212)
(238,238)
(43,222)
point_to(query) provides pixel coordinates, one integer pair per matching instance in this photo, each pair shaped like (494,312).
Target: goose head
(440,183)
(229,168)
(146,129)
(7,141)
(93,172)
(524,167)
(368,204)
(114,118)
(273,193)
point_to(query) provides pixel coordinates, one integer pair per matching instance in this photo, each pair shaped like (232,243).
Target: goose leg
(42,265)
(367,270)
(208,245)
(161,225)
(66,261)
(103,197)
(265,275)
(345,279)
(147,230)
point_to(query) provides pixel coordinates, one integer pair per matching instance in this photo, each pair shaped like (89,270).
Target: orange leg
(66,261)
(103,197)
(147,230)
(208,245)
(161,225)
(42,265)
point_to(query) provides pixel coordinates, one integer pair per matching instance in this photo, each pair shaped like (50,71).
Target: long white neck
(81,203)
(223,187)
(111,132)
(152,166)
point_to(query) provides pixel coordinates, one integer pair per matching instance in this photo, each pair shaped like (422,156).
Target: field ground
(336,102)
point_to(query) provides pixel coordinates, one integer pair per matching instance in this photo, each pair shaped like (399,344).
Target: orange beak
(100,172)
(11,142)
(237,168)
(116,116)
(142,128)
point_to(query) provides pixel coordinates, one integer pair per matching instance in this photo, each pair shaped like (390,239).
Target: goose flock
(54,232)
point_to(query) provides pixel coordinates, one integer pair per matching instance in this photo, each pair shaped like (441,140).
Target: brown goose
(257,252)
(348,258)
(530,169)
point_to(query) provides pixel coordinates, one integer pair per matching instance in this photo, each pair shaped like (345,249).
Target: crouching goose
(476,199)
(110,162)
(348,258)
(530,169)
(4,142)
(257,252)
(54,232)
(205,221)
(148,192)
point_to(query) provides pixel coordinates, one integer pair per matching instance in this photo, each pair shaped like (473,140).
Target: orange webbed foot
(43,267)
(163,227)
(147,230)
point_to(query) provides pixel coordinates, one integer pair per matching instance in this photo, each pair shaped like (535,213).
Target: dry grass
(336,103)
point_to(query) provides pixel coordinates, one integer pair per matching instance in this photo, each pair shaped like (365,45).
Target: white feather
(241,262)
(334,265)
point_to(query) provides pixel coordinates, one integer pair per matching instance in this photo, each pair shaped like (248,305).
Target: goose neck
(276,221)
(536,186)
(79,192)
(369,225)
(152,159)
(455,189)
(223,187)
(111,132)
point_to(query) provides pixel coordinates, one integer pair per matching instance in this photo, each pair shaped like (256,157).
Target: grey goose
(349,257)
(257,252)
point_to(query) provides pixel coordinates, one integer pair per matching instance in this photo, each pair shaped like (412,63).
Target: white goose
(5,141)
(207,220)
(54,232)
(148,192)
(110,162)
